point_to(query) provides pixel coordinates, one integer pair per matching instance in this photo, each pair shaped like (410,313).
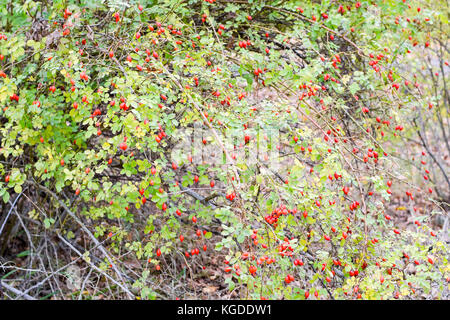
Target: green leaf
(208,235)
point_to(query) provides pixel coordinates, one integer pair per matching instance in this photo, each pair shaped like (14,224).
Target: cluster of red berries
(160,135)
(244,44)
(288,279)
(354,205)
(273,217)
(231,196)
(14,97)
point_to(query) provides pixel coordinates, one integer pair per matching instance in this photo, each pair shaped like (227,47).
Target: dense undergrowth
(228,149)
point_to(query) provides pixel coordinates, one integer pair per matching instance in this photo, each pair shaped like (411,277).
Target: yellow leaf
(404,292)
(106,146)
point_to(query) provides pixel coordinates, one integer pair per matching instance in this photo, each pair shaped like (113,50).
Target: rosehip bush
(285,152)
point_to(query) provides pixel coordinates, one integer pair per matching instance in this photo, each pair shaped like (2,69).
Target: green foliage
(283,93)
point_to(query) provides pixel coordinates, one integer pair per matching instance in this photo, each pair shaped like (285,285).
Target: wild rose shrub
(278,131)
